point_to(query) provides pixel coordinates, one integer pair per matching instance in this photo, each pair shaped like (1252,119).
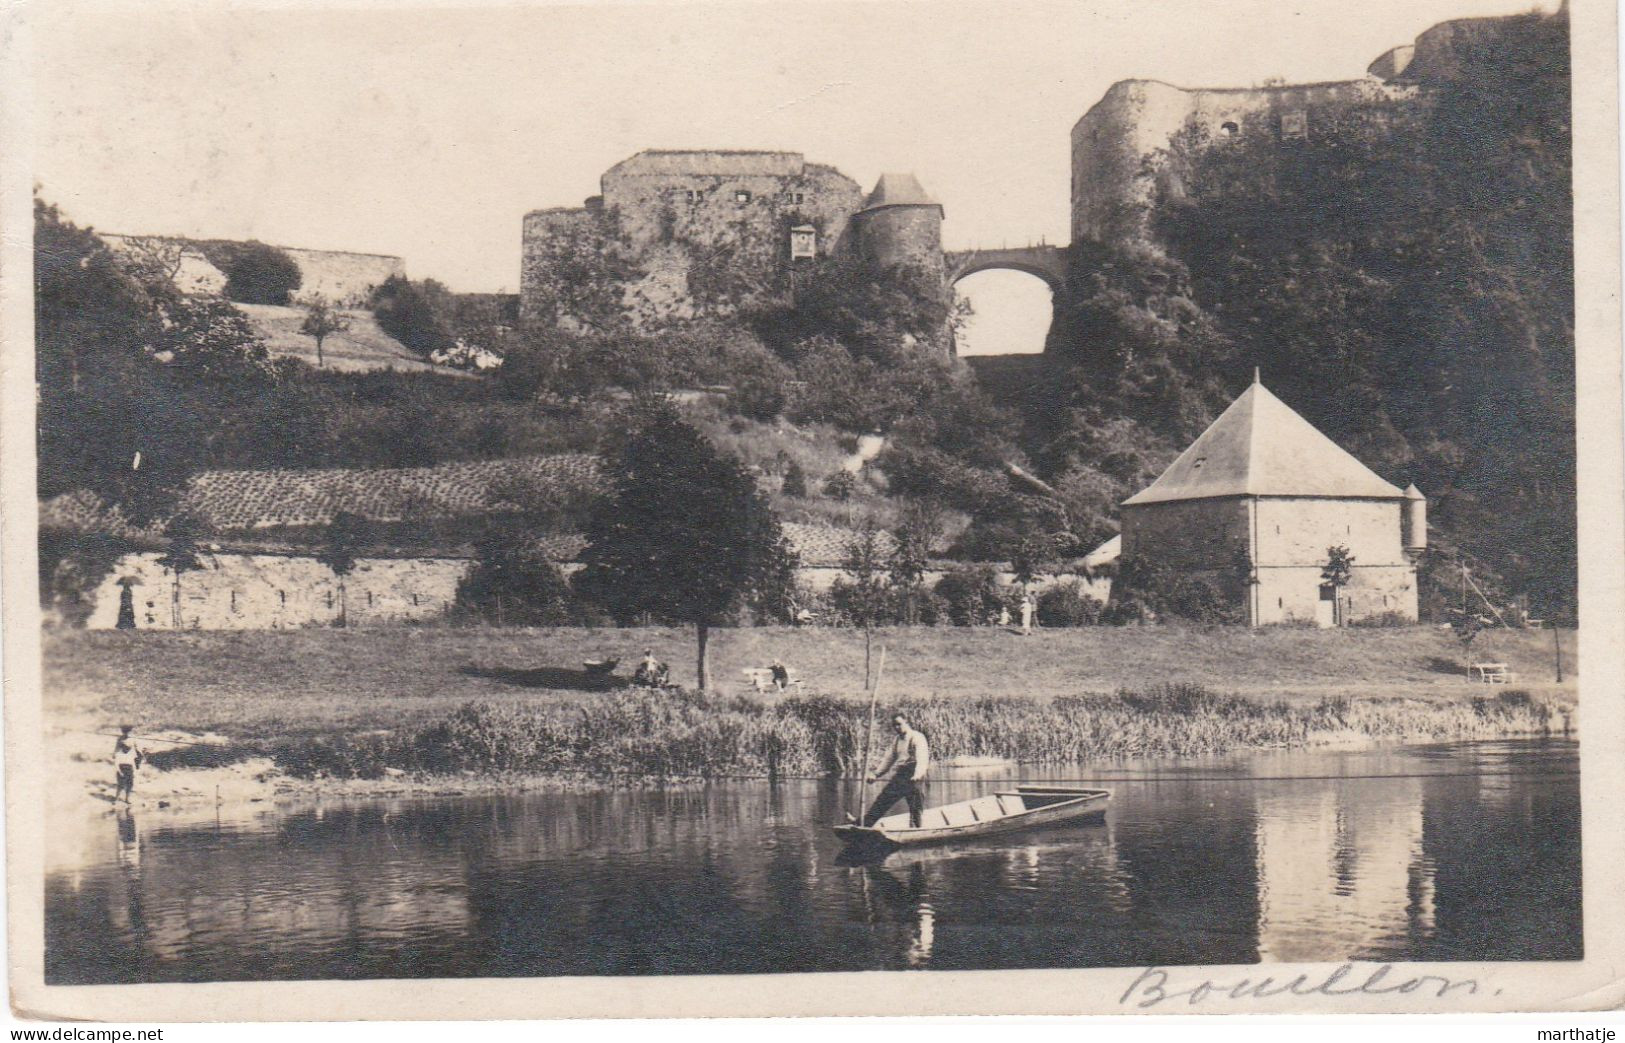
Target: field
(360,348)
(270,685)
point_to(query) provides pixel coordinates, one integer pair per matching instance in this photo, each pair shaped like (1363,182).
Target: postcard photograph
(629,492)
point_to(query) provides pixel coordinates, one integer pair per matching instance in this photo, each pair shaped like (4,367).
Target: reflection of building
(1340,870)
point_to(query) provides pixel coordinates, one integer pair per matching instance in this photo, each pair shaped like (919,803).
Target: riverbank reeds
(690,734)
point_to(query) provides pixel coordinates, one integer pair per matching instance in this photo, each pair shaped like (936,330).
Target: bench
(761,678)
(1492,673)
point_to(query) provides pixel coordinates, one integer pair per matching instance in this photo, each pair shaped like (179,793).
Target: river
(1445,852)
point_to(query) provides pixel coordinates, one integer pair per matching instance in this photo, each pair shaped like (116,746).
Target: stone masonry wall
(1293,536)
(1116,143)
(909,236)
(674,208)
(1188,535)
(274,592)
(342,277)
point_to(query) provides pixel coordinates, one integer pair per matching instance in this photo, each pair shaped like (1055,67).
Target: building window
(1229,129)
(692,195)
(282,597)
(1294,125)
(369,599)
(741,195)
(796,198)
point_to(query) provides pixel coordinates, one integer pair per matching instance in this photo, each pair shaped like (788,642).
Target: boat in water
(1006,811)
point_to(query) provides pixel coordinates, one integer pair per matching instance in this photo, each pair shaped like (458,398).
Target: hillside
(1403,276)
(361,348)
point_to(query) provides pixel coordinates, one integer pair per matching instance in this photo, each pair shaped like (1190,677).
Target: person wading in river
(126,758)
(908,762)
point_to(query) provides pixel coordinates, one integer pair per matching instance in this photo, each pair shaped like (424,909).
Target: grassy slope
(273,683)
(361,347)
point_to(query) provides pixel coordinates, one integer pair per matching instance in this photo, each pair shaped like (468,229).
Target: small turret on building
(900,225)
(1416,520)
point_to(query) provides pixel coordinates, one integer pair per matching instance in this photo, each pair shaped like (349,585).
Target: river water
(1448,852)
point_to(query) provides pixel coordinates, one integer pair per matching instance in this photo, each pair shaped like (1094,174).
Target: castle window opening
(1229,129)
(282,597)
(692,195)
(741,195)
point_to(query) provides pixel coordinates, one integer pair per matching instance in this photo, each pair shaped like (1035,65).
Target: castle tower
(900,225)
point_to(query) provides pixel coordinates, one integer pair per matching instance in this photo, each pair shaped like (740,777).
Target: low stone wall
(235,591)
(276,591)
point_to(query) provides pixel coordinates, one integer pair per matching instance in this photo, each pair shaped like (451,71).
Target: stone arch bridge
(1046,262)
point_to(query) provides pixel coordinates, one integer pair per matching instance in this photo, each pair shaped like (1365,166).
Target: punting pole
(868,737)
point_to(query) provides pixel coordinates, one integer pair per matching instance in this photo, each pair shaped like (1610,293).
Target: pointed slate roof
(1260,447)
(898,190)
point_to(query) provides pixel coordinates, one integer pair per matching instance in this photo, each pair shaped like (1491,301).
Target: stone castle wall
(277,592)
(1292,534)
(1117,144)
(345,278)
(676,209)
(342,277)
(908,236)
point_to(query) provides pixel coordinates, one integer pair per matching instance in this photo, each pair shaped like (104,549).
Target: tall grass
(694,735)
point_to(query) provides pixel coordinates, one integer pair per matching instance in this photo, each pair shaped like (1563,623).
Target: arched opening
(1011,312)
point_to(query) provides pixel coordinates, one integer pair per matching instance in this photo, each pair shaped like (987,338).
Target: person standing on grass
(1028,606)
(908,761)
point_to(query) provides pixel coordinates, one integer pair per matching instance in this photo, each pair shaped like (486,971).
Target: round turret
(1414,531)
(900,225)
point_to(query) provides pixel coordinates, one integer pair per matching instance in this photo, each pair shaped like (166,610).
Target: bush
(795,481)
(840,486)
(514,583)
(1066,605)
(419,315)
(1384,620)
(970,595)
(256,273)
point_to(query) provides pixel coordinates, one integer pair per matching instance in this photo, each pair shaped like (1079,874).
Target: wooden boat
(1006,811)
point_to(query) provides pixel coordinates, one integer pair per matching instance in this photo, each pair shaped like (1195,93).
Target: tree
(684,534)
(182,556)
(1337,571)
(347,535)
(863,594)
(795,481)
(1032,555)
(420,315)
(514,581)
(918,529)
(840,485)
(322,320)
(255,273)
(130,371)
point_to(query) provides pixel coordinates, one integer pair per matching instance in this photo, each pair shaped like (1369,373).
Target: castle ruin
(671,214)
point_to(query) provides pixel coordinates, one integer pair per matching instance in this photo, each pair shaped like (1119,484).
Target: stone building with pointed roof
(1256,503)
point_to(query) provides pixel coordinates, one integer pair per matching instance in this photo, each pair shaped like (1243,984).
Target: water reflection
(1194,863)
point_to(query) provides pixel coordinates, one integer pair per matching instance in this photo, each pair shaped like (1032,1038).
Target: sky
(428,132)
